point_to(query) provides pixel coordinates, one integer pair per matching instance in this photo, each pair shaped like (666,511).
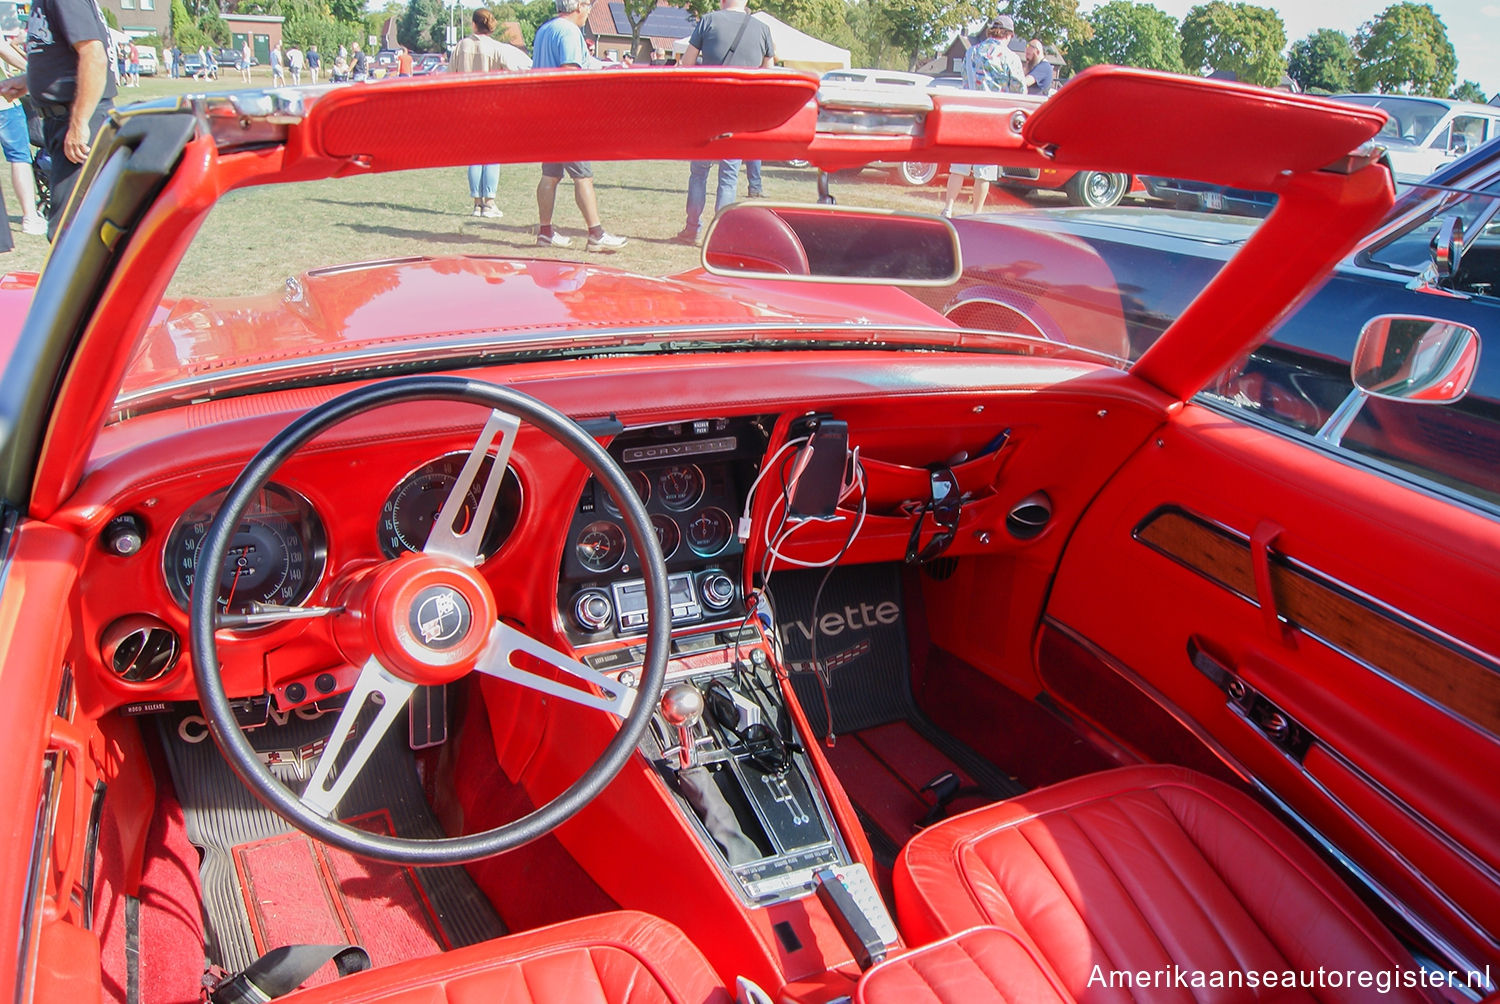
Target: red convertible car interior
(754,632)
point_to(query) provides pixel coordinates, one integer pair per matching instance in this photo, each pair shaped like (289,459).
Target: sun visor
(1145,122)
(559,115)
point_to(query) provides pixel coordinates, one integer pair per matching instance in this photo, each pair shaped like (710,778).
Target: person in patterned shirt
(990,65)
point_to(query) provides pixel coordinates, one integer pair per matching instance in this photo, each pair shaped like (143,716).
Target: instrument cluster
(692,478)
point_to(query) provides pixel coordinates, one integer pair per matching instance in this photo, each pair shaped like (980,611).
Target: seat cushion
(1146,869)
(982,964)
(612,958)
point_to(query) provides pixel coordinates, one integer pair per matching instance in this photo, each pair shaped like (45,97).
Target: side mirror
(1448,249)
(1420,359)
(823,243)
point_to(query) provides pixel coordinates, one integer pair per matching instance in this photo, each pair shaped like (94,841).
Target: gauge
(681,486)
(638,480)
(667,534)
(408,514)
(709,531)
(275,556)
(601,545)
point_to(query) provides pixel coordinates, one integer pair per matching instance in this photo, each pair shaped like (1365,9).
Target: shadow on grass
(394,207)
(488,235)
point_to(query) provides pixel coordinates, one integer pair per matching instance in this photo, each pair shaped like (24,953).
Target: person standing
(481,52)
(68,72)
(314,63)
(359,64)
(725,37)
(175,55)
(247,57)
(278,65)
(15,140)
(1038,79)
(990,65)
(403,62)
(559,43)
(294,63)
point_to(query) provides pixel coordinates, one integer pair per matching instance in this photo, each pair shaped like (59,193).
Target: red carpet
(300,892)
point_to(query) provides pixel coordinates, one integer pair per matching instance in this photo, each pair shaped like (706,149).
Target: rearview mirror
(1448,249)
(1419,359)
(832,243)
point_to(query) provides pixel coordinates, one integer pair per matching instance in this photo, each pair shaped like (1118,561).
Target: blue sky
(1473,27)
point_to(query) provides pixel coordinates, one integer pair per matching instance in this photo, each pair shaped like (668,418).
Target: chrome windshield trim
(860,332)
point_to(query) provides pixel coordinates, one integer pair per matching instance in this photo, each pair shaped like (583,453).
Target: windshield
(1411,119)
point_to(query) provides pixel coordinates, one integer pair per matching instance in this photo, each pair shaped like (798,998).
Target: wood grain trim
(1437,668)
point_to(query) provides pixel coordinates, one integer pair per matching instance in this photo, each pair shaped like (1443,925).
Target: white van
(1423,134)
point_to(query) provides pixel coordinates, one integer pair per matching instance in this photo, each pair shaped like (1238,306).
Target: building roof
(663,21)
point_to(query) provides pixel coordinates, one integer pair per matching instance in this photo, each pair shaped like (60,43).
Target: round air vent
(1030,516)
(139,648)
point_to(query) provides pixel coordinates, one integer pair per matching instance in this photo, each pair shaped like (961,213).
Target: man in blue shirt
(559,43)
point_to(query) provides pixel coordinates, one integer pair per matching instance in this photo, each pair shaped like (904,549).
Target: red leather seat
(1148,870)
(982,964)
(608,959)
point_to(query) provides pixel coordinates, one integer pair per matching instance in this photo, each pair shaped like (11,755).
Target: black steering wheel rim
(242,757)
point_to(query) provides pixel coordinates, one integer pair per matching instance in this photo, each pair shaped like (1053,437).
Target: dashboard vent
(139,648)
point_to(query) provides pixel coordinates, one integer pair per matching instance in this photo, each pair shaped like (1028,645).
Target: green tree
(1238,38)
(1055,22)
(213,25)
(110,19)
(182,28)
(1130,34)
(1469,90)
(825,19)
(349,12)
(917,27)
(309,22)
(415,29)
(1323,61)
(871,45)
(1405,49)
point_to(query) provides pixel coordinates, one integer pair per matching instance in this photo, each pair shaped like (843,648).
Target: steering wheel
(429,618)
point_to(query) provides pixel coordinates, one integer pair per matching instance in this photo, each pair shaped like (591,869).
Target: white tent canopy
(795,49)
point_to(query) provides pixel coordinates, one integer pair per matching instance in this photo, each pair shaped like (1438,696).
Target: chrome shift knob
(682,704)
(682,707)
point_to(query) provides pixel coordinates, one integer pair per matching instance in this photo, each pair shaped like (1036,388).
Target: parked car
(424,63)
(1422,134)
(1185,193)
(587,622)
(235,58)
(1300,377)
(193,65)
(1095,189)
(149,59)
(859,82)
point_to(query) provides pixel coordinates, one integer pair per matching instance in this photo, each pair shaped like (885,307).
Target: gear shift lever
(682,706)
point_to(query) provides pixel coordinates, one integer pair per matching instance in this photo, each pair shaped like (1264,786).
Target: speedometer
(412,507)
(275,556)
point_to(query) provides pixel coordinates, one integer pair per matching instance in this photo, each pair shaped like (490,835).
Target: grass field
(256,238)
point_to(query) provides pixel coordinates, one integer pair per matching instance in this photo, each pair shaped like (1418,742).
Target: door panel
(1332,633)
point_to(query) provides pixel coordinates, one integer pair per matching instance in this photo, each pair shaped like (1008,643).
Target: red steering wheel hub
(424,617)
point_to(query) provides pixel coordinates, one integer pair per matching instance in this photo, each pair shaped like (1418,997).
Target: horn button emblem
(439,617)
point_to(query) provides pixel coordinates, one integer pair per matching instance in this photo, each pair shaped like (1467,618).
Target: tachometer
(408,514)
(601,545)
(681,486)
(275,556)
(708,532)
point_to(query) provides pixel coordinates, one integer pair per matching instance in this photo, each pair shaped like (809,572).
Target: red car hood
(410,302)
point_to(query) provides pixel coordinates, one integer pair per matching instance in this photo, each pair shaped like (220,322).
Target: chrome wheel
(1098,189)
(917,173)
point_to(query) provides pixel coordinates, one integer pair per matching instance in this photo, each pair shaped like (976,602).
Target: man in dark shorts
(71,79)
(559,43)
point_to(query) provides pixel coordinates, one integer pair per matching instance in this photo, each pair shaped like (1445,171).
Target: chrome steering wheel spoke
(465,545)
(348,751)
(498,661)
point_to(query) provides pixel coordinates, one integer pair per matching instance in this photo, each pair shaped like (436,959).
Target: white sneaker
(34,225)
(556,240)
(491,212)
(606,242)
(478,211)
